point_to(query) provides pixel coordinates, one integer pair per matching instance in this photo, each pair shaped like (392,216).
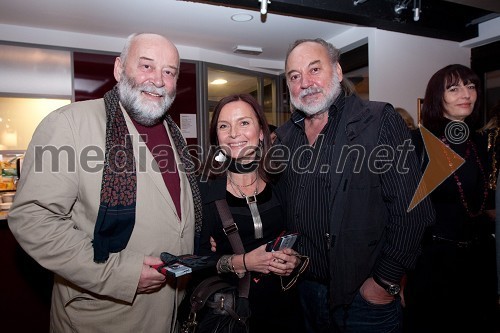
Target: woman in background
(453,287)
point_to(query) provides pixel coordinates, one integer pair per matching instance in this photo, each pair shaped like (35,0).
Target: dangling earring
(258,151)
(220,157)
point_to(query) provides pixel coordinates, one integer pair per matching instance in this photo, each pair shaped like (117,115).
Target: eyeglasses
(303,265)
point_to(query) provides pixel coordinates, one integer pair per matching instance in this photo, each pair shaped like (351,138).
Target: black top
(270,212)
(272,309)
(453,220)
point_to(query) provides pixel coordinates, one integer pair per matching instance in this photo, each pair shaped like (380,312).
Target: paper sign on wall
(188,125)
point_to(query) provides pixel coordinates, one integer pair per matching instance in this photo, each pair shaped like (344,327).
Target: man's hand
(374,293)
(151,280)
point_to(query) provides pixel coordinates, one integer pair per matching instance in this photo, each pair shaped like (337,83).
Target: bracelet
(244,263)
(239,275)
(224,264)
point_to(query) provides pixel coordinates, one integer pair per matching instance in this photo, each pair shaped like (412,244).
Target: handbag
(216,306)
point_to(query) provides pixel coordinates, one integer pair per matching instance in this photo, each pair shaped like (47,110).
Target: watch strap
(392,288)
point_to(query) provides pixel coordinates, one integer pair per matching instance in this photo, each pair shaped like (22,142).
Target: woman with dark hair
(453,286)
(238,170)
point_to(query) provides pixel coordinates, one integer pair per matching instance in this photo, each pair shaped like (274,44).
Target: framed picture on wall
(420,103)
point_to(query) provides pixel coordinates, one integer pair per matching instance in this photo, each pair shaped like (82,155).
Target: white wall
(64,39)
(400,65)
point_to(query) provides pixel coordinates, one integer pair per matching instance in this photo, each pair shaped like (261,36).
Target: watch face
(393,289)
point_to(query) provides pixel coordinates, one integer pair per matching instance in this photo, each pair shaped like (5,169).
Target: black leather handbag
(216,306)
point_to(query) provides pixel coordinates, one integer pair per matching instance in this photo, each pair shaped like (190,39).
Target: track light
(400,6)
(416,10)
(263,6)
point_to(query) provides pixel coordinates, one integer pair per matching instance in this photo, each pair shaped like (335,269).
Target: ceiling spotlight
(400,6)
(263,6)
(417,10)
(357,2)
(241,17)
(219,81)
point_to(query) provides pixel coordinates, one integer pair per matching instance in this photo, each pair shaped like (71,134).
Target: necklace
(232,182)
(492,147)
(252,205)
(470,147)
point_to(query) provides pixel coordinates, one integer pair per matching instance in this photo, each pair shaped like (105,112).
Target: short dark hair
(213,167)
(433,110)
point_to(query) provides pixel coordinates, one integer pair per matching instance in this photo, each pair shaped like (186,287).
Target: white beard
(146,113)
(332,92)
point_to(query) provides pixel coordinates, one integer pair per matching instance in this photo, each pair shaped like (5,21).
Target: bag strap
(231,231)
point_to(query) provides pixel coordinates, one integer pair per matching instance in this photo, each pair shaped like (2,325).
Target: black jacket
(363,225)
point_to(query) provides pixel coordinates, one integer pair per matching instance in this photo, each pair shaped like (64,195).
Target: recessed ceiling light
(219,81)
(241,17)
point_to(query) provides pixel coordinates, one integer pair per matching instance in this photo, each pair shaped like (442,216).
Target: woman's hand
(259,260)
(284,262)
(213,244)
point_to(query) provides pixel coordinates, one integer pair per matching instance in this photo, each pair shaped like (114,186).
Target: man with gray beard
(108,185)
(349,179)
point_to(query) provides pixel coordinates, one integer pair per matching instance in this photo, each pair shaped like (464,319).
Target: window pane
(34,71)
(19,118)
(235,83)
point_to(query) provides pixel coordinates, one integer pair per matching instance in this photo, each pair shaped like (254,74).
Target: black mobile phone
(281,242)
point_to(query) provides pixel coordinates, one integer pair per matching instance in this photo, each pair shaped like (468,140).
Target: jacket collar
(357,112)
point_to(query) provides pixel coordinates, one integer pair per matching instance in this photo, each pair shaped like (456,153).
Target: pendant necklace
(252,204)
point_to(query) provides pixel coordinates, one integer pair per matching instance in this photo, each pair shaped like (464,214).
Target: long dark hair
(213,167)
(433,110)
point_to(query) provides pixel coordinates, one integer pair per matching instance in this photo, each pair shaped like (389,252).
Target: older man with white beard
(349,179)
(107,187)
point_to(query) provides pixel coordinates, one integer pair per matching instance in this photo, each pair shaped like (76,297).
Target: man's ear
(339,72)
(118,69)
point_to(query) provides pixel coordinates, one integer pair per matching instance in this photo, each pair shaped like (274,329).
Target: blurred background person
(407,118)
(490,131)
(272,128)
